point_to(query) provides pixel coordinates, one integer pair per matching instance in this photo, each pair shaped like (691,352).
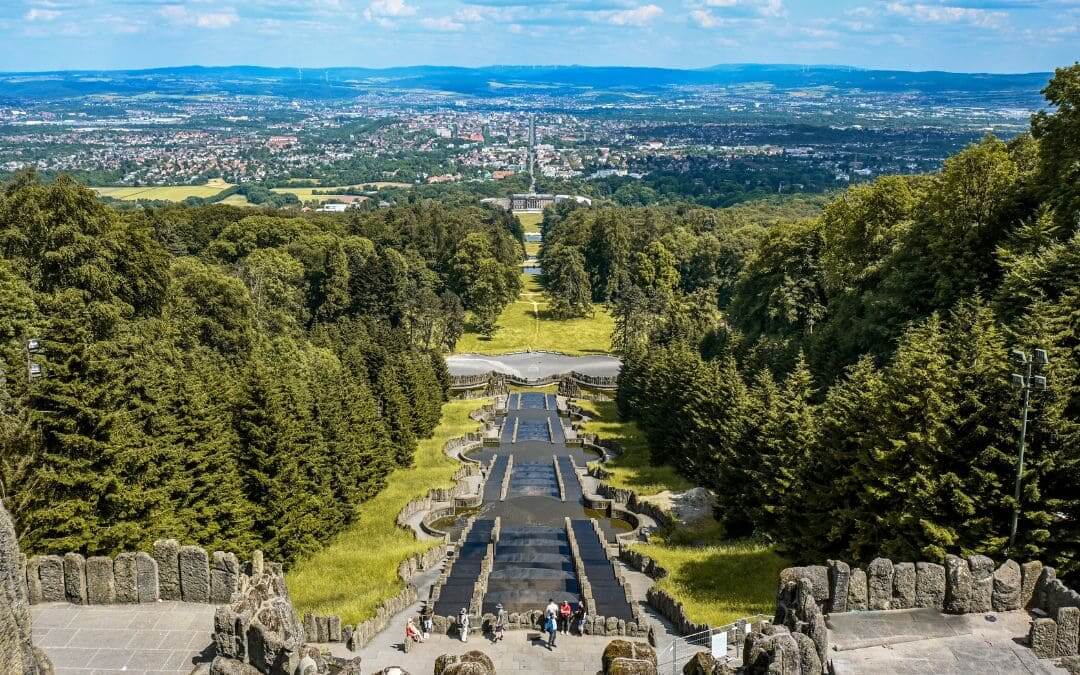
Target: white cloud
(749,7)
(179,15)
(442,23)
(36,14)
(395,9)
(705,18)
(638,16)
(945,14)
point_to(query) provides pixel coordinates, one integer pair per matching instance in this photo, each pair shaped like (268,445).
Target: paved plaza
(158,638)
(926,641)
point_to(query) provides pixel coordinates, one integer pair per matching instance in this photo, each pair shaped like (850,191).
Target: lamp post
(1025,382)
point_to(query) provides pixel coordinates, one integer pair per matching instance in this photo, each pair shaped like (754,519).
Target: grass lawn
(525,324)
(718,581)
(236,200)
(357,569)
(532,249)
(172,193)
(633,469)
(530,221)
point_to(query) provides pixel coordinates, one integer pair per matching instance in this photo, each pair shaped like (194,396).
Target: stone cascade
(972,585)
(170,572)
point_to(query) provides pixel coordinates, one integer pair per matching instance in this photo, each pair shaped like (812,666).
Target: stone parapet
(171,572)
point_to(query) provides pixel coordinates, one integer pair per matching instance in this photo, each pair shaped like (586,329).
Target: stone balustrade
(169,572)
(559,477)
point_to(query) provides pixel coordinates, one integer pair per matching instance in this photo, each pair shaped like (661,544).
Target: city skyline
(950,35)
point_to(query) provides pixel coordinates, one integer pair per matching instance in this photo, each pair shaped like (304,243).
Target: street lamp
(1025,383)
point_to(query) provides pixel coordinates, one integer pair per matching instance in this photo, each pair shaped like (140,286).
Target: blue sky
(959,35)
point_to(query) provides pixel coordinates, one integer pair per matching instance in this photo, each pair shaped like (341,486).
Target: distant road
(533,365)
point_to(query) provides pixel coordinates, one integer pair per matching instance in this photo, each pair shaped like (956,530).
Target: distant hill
(496,80)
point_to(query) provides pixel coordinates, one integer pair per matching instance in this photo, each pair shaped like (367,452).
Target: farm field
(172,193)
(526,324)
(357,569)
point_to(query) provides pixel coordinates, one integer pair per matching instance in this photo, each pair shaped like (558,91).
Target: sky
(956,35)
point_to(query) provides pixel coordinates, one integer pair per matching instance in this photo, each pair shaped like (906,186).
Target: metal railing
(681,649)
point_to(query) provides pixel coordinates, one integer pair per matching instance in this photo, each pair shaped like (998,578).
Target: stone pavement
(925,641)
(520,652)
(162,637)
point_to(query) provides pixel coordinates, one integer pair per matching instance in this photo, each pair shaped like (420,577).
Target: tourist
(412,633)
(579,617)
(425,624)
(551,614)
(501,621)
(565,612)
(463,624)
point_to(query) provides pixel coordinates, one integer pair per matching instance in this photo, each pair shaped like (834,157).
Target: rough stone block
(333,624)
(224,577)
(929,585)
(879,580)
(322,629)
(1043,638)
(146,577)
(1068,631)
(1029,577)
(166,554)
(194,574)
(818,576)
(52,579)
(1046,577)
(857,590)
(33,579)
(982,583)
(839,583)
(125,577)
(75,578)
(1006,595)
(903,585)
(957,586)
(100,584)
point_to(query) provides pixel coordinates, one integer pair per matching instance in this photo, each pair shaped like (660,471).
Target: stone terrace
(163,637)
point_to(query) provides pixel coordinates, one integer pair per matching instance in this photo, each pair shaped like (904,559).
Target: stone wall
(169,572)
(971,585)
(440,495)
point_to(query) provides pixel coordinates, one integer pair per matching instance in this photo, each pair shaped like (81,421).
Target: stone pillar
(857,590)
(224,577)
(125,575)
(839,583)
(1068,630)
(75,578)
(166,555)
(1029,577)
(880,583)
(1006,595)
(100,583)
(958,585)
(51,570)
(1043,638)
(194,574)
(903,585)
(982,583)
(33,579)
(146,577)
(929,585)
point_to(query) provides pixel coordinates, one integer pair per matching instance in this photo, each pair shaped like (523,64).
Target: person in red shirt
(565,612)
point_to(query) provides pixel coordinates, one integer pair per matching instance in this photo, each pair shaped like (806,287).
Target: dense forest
(842,382)
(221,375)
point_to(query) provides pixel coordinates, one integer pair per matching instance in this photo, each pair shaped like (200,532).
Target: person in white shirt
(551,621)
(463,624)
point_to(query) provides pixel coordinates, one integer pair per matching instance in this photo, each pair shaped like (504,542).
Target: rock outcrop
(17,651)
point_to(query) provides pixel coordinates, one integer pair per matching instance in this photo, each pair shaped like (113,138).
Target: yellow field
(236,200)
(171,193)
